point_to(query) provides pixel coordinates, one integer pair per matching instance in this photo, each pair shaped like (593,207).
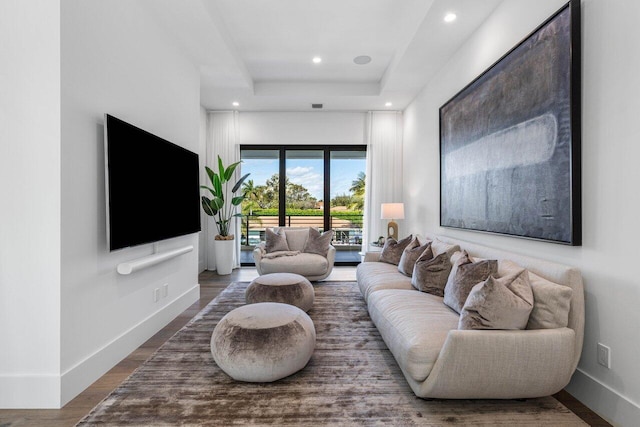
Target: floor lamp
(392,211)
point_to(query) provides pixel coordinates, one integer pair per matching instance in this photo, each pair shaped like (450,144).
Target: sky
(308,173)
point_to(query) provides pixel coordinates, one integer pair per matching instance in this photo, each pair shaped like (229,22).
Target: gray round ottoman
(263,342)
(286,288)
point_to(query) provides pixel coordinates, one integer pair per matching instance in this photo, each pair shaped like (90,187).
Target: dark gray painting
(506,143)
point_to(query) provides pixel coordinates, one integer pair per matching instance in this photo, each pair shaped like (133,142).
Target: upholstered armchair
(299,258)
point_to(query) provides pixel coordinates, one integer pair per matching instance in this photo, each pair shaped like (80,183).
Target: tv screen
(152,187)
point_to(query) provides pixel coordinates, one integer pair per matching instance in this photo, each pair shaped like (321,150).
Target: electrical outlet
(604,355)
(165,290)
(156,294)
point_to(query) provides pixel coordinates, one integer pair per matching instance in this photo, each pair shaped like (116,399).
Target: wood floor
(210,286)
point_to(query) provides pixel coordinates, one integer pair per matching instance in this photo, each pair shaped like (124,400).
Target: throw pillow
(410,255)
(467,274)
(392,250)
(551,303)
(438,247)
(296,237)
(318,243)
(430,273)
(275,241)
(503,303)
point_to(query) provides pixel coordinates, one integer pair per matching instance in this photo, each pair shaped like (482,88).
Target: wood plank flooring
(210,286)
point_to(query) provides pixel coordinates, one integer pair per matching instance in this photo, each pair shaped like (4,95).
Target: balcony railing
(347,228)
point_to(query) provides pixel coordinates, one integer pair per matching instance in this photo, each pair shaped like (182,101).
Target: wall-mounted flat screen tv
(152,187)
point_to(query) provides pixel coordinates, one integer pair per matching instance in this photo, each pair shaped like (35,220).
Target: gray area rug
(351,379)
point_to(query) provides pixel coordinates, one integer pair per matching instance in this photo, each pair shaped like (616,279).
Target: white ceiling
(259,52)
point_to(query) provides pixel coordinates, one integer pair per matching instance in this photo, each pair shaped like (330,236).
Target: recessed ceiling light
(450,17)
(362,59)
(388,104)
(317,60)
(235,103)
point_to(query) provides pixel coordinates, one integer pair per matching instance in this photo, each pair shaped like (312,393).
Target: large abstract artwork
(510,140)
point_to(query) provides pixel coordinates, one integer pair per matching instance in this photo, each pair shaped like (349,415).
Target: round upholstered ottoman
(263,342)
(286,288)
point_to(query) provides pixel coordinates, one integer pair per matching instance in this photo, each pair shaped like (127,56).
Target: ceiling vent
(316,106)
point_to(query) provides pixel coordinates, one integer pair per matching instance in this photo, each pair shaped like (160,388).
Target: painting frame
(510,141)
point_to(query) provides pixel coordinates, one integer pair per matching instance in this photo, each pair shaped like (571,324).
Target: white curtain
(384,170)
(222,140)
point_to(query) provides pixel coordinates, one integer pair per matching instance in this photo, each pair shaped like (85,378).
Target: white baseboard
(610,404)
(83,374)
(30,391)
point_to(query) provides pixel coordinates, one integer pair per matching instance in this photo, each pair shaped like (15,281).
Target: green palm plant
(216,206)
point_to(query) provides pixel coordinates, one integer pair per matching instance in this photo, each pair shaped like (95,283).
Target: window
(312,175)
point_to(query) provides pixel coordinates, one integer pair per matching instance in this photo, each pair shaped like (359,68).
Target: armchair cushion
(318,243)
(303,264)
(275,241)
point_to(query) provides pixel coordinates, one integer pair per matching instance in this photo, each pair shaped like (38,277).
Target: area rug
(351,379)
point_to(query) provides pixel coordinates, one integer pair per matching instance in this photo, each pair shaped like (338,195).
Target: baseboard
(603,400)
(29,391)
(83,374)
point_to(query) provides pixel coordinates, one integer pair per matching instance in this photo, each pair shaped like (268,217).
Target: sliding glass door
(304,186)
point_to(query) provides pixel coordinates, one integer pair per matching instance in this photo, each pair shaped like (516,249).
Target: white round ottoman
(287,288)
(263,342)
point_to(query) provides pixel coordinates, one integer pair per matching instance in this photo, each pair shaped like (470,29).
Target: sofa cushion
(430,273)
(276,241)
(374,276)
(392,250)
(302,264)
(551,303)
(411,254)
(503,303)
(414,325)
(465,274)
(438,247)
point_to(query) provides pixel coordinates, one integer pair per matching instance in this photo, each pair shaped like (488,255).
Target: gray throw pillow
(318,243)
(503,303)
(410,255)
(275,241)
(392,250)
(467,274)
(430,273)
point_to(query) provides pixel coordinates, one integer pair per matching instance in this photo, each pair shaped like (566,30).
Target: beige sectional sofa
(440,361)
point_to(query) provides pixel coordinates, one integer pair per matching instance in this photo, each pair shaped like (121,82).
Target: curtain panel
(222,140)
(384,170)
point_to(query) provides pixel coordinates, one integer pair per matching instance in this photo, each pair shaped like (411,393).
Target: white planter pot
(224,255)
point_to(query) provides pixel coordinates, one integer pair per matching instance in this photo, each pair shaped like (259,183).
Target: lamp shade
(392,211)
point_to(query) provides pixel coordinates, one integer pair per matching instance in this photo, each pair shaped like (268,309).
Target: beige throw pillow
(410,255)
(551,304)
(464,276)
(275,241)
(430,273)
(318,243)
(503,303)
(392,250)
(438,247)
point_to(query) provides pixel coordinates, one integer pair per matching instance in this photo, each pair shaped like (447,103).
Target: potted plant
(223,211)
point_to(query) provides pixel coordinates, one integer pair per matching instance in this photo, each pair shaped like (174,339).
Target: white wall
(115,59)
(204,218)
(314,127)
(30,197)
(610,147)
